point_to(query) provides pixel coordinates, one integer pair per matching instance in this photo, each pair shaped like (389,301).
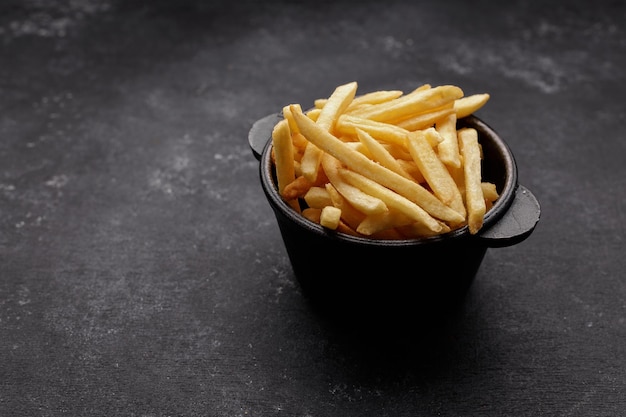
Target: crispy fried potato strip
(384,165)
(474,197)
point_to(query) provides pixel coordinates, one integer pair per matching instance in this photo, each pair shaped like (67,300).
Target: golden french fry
(318,197)
(392,199)
(348,125)
(299,141)
(347,229)
(378,222)
(330,217)
(361,201)
(364,166)
(310,161)
(293,128)
(321,179)
(434,171)
(297,157)
(283,154)
(351,216)
(417,230)
(296,165)
(313,114)
(433,137)
(418,101)
(374,97)
(381,154)
(335,105)
(312,214)
(425,120)
(338,101)
(398,152)
(465,106)
(459,179)
(448,148)
(386,132)
(474,198)
(361,148)
(412,169)
(489,191)
(284,159)
(296,188)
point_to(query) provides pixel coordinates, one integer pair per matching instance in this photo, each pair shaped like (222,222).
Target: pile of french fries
(385,164)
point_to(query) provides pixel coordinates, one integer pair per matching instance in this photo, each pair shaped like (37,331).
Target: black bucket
(340,272)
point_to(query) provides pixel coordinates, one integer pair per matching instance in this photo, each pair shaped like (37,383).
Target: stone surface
(142,272)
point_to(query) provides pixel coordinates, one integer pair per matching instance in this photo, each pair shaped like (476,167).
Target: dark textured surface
(141,269)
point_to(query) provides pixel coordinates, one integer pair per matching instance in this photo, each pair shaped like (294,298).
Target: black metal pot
(339,271)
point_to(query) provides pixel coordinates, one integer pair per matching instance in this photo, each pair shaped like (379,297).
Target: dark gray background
(141,269)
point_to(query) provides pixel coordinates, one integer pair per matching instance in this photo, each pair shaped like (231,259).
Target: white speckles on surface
(24,296)
(543,73)
(58,181)
(171,182)
(173,174)
(346,393)
(52,19)
(530,57)
(238,159)
(160,181)
(393,46)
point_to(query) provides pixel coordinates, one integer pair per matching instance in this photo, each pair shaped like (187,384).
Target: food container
(339,272)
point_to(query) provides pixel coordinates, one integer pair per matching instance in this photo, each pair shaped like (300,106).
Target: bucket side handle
(516,224)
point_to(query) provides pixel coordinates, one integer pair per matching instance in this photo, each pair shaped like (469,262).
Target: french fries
(330,217)
(385,164)
(284,159)
(437,176)
(335,105)
(418,101)
(365,203)
(370,169)
(474,196)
